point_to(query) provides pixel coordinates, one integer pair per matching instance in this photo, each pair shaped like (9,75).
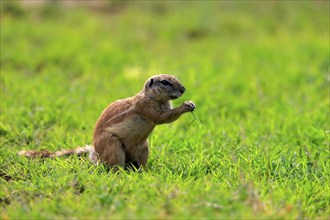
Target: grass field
(257,71)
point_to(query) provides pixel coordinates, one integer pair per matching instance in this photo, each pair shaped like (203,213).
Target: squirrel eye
(165,83)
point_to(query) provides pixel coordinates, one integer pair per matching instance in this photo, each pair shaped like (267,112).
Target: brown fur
(45,153)
(121,132)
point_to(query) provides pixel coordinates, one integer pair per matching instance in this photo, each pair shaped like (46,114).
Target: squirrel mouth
(175,96)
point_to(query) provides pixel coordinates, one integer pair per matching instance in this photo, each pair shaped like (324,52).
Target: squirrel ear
(149,83)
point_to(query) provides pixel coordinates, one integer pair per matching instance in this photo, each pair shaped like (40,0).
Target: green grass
(257,71)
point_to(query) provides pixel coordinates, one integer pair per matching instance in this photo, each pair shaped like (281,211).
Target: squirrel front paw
(189,106)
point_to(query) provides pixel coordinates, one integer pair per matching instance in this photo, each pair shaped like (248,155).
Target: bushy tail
(46,154)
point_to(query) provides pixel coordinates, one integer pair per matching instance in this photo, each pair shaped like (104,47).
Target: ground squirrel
(121,132)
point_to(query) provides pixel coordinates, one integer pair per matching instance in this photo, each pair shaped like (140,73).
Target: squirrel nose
(182,89)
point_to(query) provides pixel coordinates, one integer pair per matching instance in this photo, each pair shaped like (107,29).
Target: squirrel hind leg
(109,150)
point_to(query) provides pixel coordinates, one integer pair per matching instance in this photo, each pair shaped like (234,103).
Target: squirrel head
(163,87)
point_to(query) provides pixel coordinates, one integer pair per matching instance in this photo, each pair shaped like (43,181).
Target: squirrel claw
(189,105)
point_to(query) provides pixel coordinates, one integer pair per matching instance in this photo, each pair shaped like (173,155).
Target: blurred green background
(258,72)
